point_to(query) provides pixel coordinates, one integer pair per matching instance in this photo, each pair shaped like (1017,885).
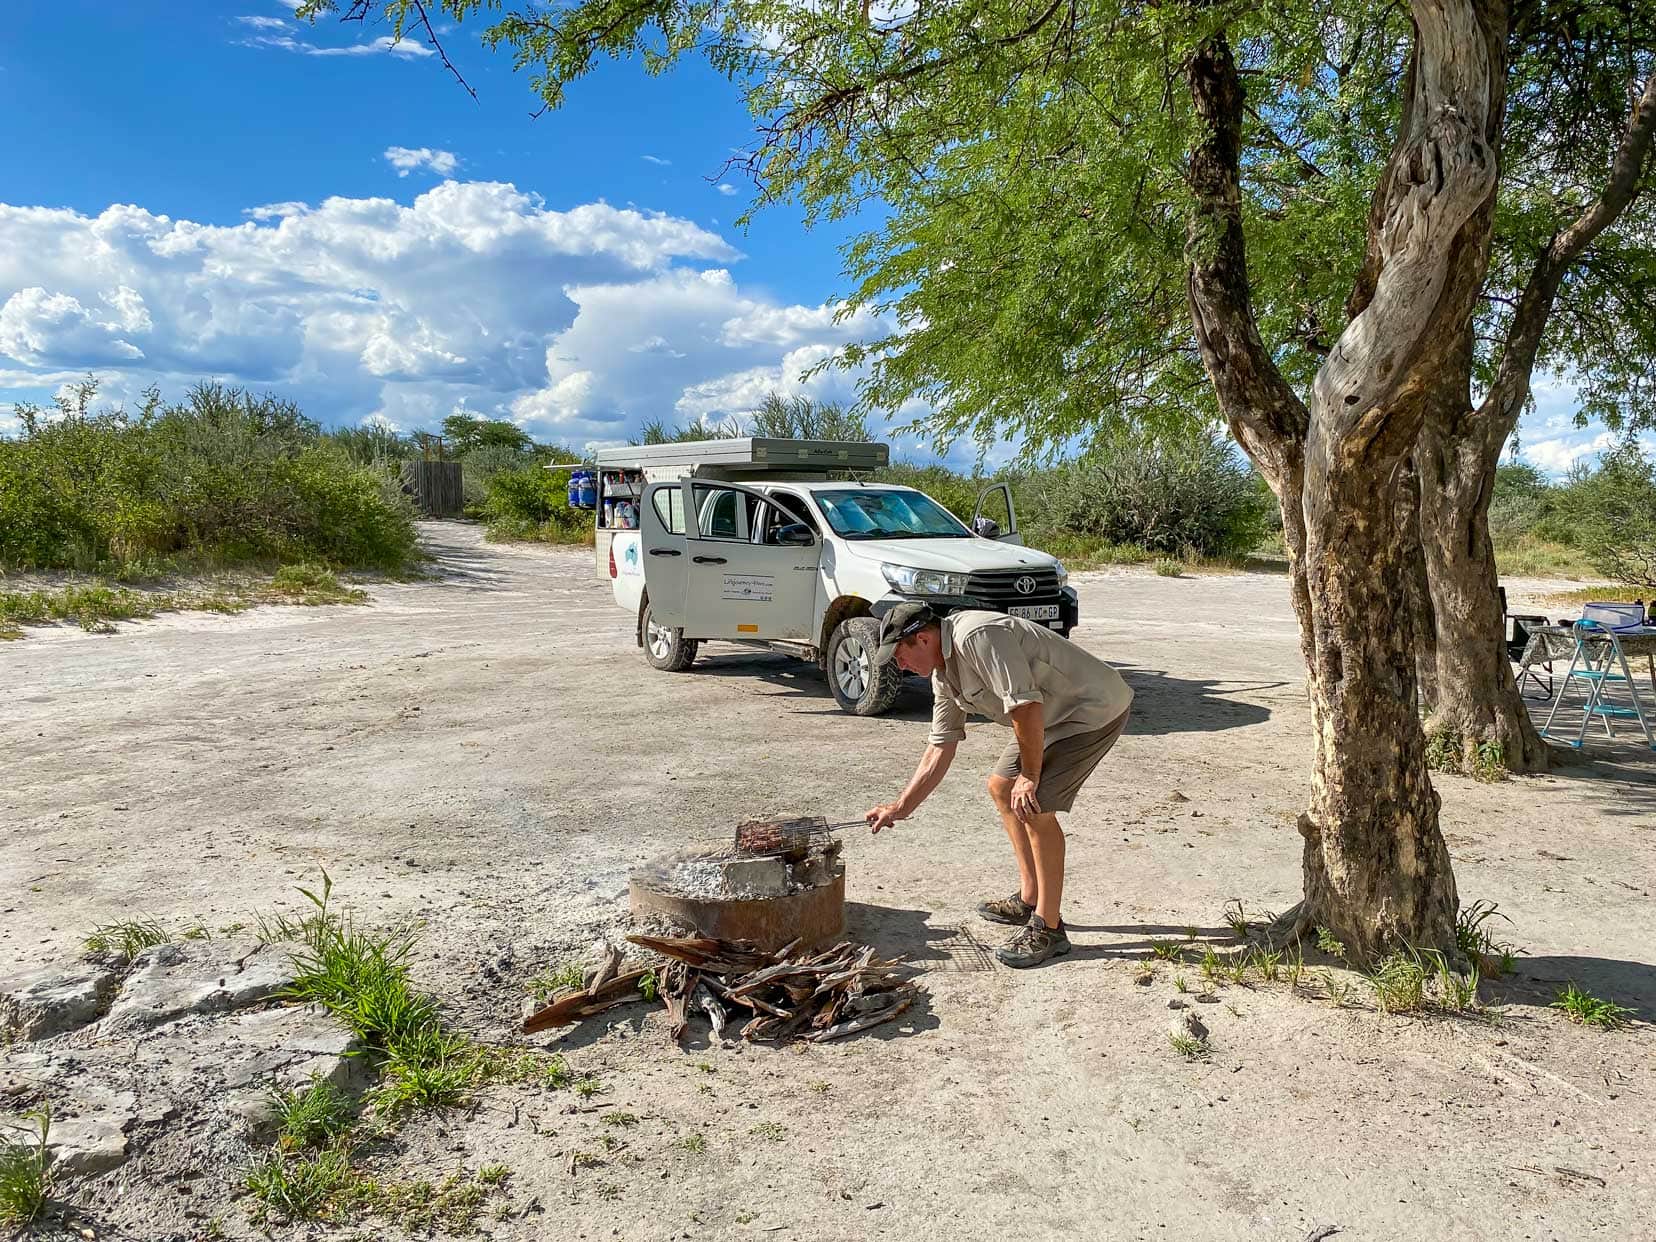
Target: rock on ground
(51,1000)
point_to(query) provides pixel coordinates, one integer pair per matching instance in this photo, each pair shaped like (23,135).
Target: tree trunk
(1375,867)
(1477,707)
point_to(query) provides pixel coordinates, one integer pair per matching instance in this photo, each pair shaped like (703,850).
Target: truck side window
(794,510)
(724,513)
(669,507)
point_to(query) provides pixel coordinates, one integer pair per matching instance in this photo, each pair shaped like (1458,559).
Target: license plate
(1034,612)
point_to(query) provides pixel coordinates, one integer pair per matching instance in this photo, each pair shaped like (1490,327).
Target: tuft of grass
(1144,974)
(770,1131)
(1188,1046)
(125,939)
(707,1067)
(290,1186)
(1399,983)
(1237,967)
(1167,950)
(1338,989)
(695,1144)
(1167,567)
(1475,941)
(313,585)
(1296,969)
(1269,965)
(587,1087)
(1589,1010)
(196,931)
(1455,992)
(546,985)
(1448,750)
(1236,918)
(1179,984)
(523,1065)
(1212,967)
(619,1119)
(311,1118)
(493,1174)
(25,1176)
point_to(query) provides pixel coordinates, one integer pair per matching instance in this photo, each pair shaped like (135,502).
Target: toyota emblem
(1024,585)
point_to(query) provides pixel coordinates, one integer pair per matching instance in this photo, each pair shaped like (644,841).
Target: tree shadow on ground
(1162,704)
(1617,773)
(478,568)
(1538,981)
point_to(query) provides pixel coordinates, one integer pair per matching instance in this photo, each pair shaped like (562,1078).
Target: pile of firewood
(791,994)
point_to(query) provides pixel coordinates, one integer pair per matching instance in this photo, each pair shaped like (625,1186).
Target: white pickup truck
(753,541)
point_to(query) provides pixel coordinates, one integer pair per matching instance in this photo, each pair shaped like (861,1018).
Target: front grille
(998,587)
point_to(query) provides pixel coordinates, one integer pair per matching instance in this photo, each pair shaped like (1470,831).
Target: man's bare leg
(1046,837)
(1000,791)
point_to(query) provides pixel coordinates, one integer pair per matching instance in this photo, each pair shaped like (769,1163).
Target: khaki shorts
(1068,763)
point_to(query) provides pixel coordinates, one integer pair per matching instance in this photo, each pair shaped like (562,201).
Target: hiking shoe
(1034,944)
(1013,909)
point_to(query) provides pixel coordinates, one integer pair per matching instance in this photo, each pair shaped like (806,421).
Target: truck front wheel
(665,646)
(858,686)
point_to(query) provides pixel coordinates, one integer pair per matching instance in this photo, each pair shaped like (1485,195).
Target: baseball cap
(900,623)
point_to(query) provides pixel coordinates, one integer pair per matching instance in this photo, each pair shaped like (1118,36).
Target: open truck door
(995,517)
(752,566)
(662,536)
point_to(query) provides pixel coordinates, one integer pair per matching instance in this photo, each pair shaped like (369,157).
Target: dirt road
(488,751)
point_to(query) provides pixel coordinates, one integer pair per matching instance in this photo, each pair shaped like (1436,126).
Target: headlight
(1063,574)
(910,581)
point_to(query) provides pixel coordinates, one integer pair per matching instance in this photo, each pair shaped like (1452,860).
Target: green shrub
(531,502)
(1181,495)
(222,476)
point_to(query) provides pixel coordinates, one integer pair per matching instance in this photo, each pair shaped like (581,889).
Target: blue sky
(307,209)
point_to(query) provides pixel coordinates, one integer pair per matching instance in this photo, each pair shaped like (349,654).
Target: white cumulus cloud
(657,160)
(724,187)
(385,44)
(581,324)
(406,159)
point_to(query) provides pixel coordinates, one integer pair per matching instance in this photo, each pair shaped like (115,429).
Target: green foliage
(1186,494)
(529,502)
(1477,943)
(1399,983)
(801,418)
(1615,508)
(1447,750)
(124,939)
(25,1180)
(313,1117)
(1188,1046)
(1589,1010)
(466,434)
(224,475)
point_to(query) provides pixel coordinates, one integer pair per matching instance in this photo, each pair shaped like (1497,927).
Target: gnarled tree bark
(1376,871)
(1460,446)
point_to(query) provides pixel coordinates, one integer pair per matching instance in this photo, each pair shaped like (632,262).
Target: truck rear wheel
(858,686)
(665,646)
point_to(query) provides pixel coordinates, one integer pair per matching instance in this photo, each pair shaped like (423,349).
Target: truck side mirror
(986,528)
(795,535)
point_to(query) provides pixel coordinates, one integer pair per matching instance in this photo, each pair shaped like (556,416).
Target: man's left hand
(1024,803)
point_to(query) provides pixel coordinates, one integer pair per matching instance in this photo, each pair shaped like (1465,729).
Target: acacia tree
(1180,193)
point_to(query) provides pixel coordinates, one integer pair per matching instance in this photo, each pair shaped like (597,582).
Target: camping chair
(1517,639)
(1598,662)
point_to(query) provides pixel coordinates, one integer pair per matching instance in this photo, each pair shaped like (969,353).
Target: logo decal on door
(750,588)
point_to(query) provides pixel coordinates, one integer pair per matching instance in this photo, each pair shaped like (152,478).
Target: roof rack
(758,454)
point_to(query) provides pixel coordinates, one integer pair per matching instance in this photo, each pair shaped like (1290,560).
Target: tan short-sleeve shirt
(993,664)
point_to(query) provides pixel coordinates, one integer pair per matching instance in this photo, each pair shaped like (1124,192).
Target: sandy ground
(488,751)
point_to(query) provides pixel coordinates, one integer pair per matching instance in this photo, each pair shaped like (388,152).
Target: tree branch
(1511,388)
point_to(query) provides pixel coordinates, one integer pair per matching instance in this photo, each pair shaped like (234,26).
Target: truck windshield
(895,514)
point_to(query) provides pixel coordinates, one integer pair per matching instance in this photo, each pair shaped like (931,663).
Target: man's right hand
(884,816)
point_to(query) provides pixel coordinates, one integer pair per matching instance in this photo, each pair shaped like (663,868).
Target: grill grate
(784,837)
